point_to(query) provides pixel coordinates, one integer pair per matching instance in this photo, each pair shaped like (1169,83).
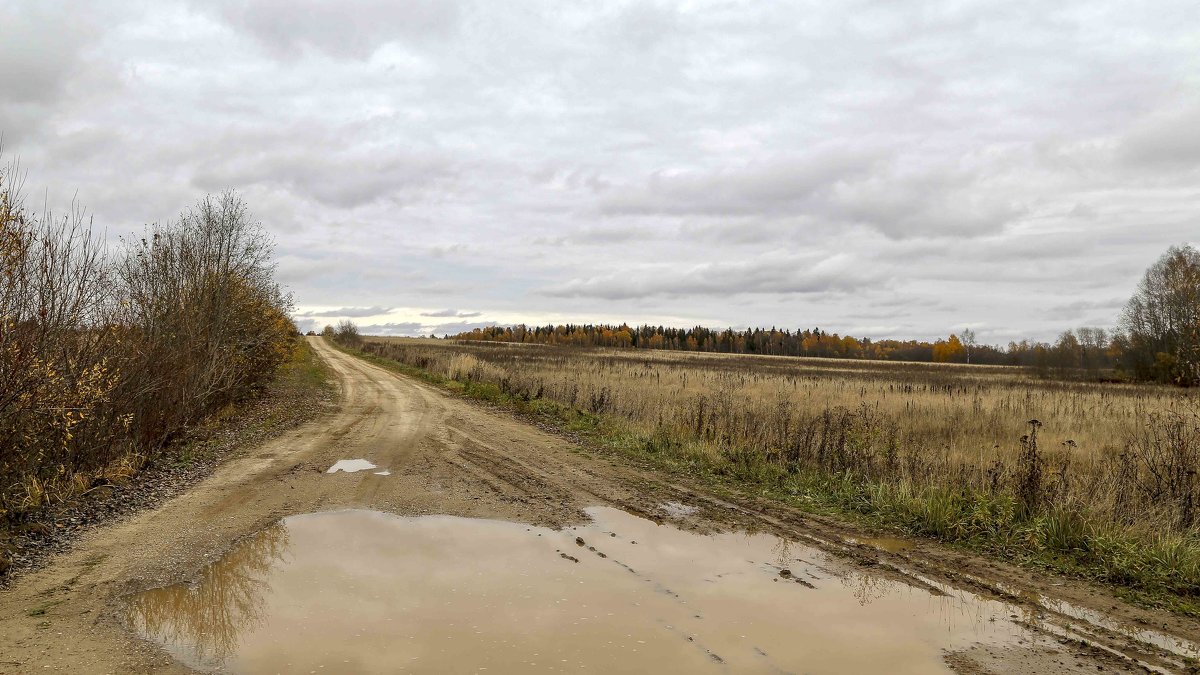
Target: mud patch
(678,510)
(889,544)
(363,591)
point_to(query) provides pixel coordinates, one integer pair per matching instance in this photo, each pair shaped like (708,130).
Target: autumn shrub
(203,319)
(103,359)
(57,365)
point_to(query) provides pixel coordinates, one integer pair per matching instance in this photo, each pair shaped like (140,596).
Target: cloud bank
(898,168)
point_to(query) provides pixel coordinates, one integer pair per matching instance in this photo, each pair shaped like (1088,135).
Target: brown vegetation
(1100,477)
(1161,322)
(103,359)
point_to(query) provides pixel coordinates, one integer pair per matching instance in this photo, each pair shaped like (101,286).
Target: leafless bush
(56,368)
(346,334)
(101,360)
(204,318)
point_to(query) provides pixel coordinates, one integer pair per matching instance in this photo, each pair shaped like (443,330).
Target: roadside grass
(302,375)
(1154,568)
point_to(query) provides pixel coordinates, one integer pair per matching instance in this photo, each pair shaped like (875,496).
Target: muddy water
(367,592)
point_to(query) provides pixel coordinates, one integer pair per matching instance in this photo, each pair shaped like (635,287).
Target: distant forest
(1089,350)
(1158,338)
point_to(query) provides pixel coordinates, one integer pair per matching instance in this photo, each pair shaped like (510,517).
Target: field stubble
(1094,479)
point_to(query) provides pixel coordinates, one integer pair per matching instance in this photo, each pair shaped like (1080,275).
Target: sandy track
(449,456)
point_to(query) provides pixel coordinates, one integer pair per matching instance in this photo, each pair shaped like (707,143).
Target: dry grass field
(1095,478)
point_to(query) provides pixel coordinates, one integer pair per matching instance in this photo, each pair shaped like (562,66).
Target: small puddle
(351,466)
(367,592)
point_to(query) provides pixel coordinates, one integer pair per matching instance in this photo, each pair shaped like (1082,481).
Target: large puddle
(367,592)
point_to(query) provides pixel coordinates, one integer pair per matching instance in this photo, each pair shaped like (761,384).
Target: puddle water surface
(367,592)
(351,466)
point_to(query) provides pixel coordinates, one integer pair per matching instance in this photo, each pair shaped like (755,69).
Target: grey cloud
(598,236)
(402,328)
(344,28)
(646,25)
(305,325)
(673,162)
(836,185)
(41,47)
(927,204)
(838,273)
(451,313)
(351,312)
(42,52)
(456,327)
(415,328)
(1073,311)
(336,178)
(777,185)
(1168,140)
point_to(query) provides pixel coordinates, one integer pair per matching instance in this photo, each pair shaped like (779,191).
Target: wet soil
(447,457)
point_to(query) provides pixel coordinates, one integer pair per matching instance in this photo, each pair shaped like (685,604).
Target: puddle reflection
(200,622)
(362,591)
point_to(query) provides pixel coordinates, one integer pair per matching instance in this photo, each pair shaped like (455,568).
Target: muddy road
(468,540)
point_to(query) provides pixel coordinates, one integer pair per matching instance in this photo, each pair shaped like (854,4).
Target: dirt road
(448,456)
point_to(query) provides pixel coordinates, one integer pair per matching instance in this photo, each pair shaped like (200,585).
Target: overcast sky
(879,168)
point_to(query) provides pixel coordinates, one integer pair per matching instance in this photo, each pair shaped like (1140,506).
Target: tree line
(106,356)
(1158,337)
(1070,348)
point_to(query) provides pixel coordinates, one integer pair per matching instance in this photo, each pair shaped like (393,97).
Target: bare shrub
(346,334)
(204,320)
(102,361)
(57,373)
